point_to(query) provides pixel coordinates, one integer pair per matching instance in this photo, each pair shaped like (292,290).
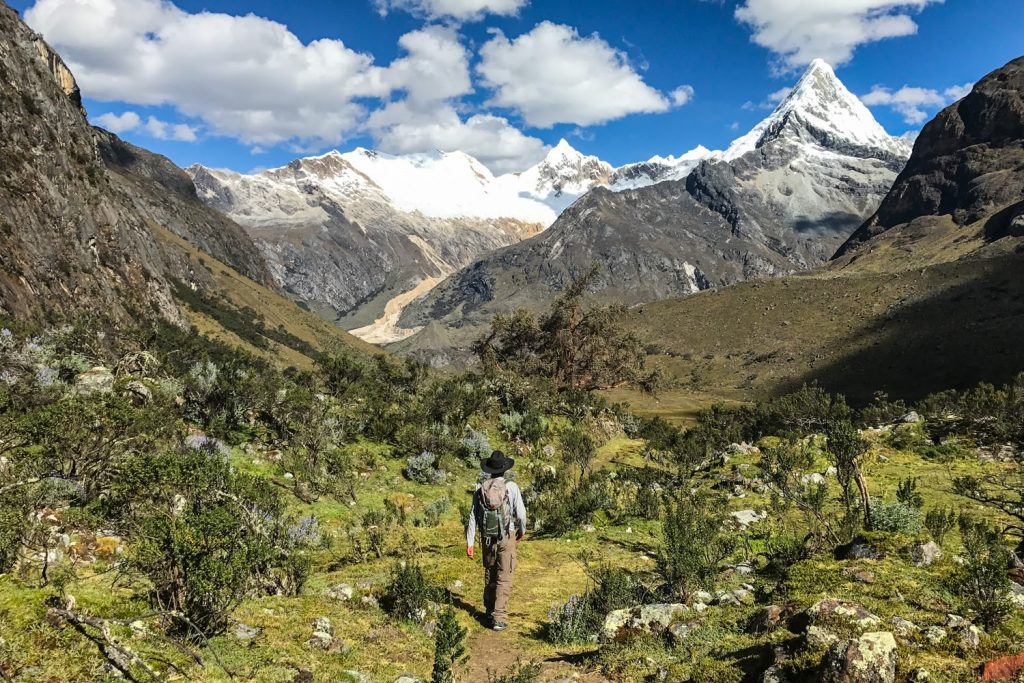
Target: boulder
(859,549)
(744,518)
(323,625)
(98,380)
(654,618)
(818,637)
(868,659)
(835,611)
(911,418)
(342,591)
(244,631)
(935,634)
(1007,668)
(138,392)
(902,627)
(925,554)
(408,678)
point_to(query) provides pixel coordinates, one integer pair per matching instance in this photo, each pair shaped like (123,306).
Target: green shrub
(581,617)
(896,518)
(939,522)
(907,493)
(433,512)
(449,646)
(519,673)
(423,469)
(694,547)
(982,583)
(572,622)
(408,592)
(948,451)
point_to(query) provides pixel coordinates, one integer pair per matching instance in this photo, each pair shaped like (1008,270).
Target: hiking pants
(499,563)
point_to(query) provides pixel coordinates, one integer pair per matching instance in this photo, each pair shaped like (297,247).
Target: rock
(370,601)
(589,528)
(832,610)
(773,674)
(744,518)
(859,549)
(868,659)
(455,585)
(815,478)
(743,449)
(356,676)
(1007,668)
(818,637)
(98,380)
(935,634)
(703,596)
(919,675)
(903,627)
(969,637)
(654,618)
(859,575)
(342,591)
(680,630)
(699,607)
(303,676)
(201,442)
(743,596)
(244,631)
(138,392)
(408,678)
(925,554)
(911,418)
(743,569)
(323,625)
(768,619)
(831,471)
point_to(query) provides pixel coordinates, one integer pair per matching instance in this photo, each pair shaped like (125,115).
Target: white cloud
(769,102)
(246,77)
(502,147)
(914,103)
(681,95)
(553,75)
(911,136)
(798,31)
(462,10)
(118,123)
(162,130)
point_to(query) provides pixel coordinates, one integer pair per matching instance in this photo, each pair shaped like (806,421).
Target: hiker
(498,511)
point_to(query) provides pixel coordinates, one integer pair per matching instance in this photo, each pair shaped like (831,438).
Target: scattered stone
(680,630)
(654,618)
(589,528)
(919,675)
(699,607)
(201,442)
(744,518)
(969,637)
(407,678)
(323,624)
(902,627)
(868,659)
(935,634)
(703,596)
(858,549)
(925,554)
(356,676)
(138,392)
(773,674)
(911,418)
(859,575)
(1004,668)
(768,618)
(429,627)
(98,380)
(831,471)
(244,631)
(342,591)
(455,585)
(743,449)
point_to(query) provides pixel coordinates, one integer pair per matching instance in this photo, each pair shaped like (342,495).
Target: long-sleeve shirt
(515,500)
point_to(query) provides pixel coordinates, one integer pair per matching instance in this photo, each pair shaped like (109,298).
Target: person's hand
(469,552)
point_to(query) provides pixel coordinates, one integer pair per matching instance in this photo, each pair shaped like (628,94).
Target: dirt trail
(491,652)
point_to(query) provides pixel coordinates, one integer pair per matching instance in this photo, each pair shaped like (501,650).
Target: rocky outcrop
(868,659)
(654,618)
(60,72)
(968,162)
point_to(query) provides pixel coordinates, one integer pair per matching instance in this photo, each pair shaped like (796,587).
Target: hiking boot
(499,626)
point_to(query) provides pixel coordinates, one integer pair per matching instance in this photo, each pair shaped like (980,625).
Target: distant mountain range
(781,199)
(356,236)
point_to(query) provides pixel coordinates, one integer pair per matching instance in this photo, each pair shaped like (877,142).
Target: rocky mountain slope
(357,236)
(926,295)
(94,226)
(781,199)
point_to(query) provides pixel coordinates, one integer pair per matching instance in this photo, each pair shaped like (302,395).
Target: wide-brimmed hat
(498,463)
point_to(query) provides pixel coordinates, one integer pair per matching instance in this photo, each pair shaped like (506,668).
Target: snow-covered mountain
(781,198)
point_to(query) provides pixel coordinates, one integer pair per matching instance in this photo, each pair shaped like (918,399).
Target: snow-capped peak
(563,152)
(820,107)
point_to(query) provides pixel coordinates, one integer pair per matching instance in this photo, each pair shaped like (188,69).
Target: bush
(948,451)
(475,446)
(982,583)
(896,518)
(449,646)
(408,592)
(433,512)
(204,536)
(694,546)
(572,622)
(582,616)
(939,522)
(423,469)
(907,493)
(520,673)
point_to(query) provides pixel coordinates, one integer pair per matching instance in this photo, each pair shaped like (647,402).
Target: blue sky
(202,81)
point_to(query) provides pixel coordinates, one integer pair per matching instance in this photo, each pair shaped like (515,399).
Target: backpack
(497,512)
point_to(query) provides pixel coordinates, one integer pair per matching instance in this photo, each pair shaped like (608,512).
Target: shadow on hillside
(965,334)
(836,223)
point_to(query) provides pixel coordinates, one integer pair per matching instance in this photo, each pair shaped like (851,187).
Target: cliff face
(77,203)
(968,162)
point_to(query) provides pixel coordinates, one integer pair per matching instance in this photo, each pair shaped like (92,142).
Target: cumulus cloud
(461,10)
(912,103)
(681,95)
(399,129)
(553,75)
(799,31)
(247,77)
(129,121)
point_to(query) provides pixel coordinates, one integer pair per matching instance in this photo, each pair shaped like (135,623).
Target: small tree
(847,448)
(578,450)
(449,646)
(572,346)
(982,582)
